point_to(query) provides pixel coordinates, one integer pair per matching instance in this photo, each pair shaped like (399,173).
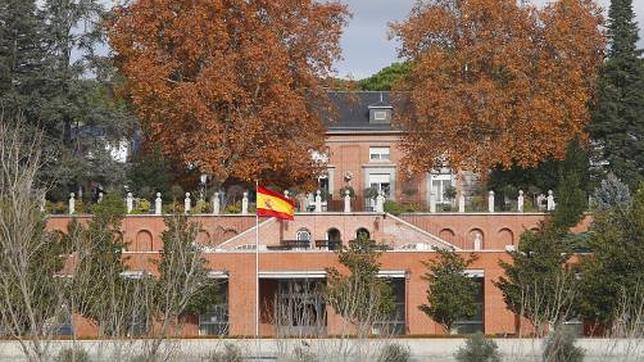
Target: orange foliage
(231,87)
(496,82)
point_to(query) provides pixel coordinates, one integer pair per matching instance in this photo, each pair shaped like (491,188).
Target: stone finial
(478,242)
(286,193)
(490,202)
(520,201)
(347,201)
(380,202)
(461,202)
(129,202)
(432,201)
(43,203)
(187,203)
(244,209)
(550,201)
(100,197)
(318,201)
(158,204)
(72,203)
(216,204)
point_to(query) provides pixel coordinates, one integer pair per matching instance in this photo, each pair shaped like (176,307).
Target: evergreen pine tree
(618,114)
(51,75)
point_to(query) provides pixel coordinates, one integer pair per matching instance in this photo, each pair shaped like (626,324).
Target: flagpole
(256,264)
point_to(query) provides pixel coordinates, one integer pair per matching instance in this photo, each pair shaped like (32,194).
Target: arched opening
(363,233)
(506,237)
(143,241)
(303,238)
(334,239)
(476,239)
(447,234)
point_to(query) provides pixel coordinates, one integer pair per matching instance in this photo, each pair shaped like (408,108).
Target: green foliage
(361,297)
(231,353)
(451,295)
(39,80)
(233,208)
(611,193)
(572,197)
(183,279)
(393,207)
(72,355)
(151,172)
(370,192)
(98,246)
(549,175)
(201,207)
(618,109)
(478,349)
(394,352)
(386,78)
(450,192)
(560,347)
(612,275)
(142,207)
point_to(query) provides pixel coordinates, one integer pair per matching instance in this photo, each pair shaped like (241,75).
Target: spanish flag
(273,204)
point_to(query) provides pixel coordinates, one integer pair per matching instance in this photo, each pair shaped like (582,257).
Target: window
(362,233)
(303,235)
(438,185)
(381,183)
(300,309)
(379,153)
(380,115)
(474,324)
(394,323)
(214,321)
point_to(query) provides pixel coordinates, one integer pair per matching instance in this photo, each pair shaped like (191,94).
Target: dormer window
(380,114)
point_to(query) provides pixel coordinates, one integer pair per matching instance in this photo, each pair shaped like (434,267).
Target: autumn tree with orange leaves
(496,83)
(232,88)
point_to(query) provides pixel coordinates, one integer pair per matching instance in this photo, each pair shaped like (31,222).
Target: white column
(318,201)
(72,203)
(100,197)
(216,206)
(347,201)
(490,202)
(461,202)
(158,204)
(187,203)
(244,210)
(380,202)
(286,193)
(432,201)
(520,201)
(550,201)
(129,202)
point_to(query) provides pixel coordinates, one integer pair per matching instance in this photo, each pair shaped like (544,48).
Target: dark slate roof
(350,111)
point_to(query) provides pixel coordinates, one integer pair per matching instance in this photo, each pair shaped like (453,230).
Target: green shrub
(112,204)
(233,208)
(230,353)
(560,347)
(56,208)
(394,352)
(72,355)
(393,207)
(478,349)
(201,207)
(142,207)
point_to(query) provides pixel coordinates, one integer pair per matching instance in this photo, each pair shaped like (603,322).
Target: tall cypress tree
(618,115)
